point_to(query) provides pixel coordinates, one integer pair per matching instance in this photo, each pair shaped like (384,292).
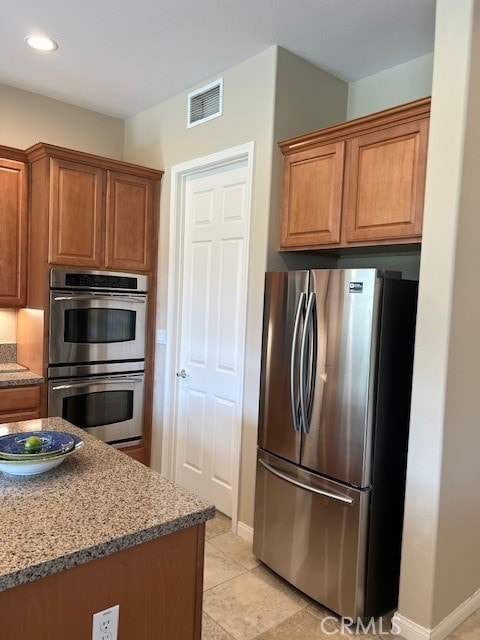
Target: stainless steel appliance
(97,352)
(333,428)
(106,400)
(96,316)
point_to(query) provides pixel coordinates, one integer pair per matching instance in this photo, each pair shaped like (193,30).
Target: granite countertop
(97,502)
(13,375)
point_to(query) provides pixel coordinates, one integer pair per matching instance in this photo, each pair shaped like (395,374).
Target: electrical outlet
(105,624)
(161,336)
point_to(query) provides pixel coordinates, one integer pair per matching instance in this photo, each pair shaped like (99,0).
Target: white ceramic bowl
(33,467)
(22,468)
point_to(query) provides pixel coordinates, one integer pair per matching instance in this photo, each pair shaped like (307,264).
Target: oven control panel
(98,280)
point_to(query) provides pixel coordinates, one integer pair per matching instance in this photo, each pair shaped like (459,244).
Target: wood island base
(158,585)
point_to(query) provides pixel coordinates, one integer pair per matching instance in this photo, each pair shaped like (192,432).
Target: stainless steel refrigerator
(333,428)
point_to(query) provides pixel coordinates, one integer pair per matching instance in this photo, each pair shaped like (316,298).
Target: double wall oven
(97,352)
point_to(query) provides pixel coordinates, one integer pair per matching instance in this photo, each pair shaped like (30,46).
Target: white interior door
(212,328)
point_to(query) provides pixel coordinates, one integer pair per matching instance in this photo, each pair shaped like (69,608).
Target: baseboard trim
(245,531)
(412,631)
(408,629)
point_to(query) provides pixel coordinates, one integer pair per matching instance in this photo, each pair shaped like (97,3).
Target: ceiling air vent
(205,103)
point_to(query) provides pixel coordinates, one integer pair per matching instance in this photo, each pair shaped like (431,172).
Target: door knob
(181,374)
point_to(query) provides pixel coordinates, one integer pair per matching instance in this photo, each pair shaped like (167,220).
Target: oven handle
(94,381)
(108,298)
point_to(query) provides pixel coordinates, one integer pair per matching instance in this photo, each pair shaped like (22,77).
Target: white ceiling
(120,57)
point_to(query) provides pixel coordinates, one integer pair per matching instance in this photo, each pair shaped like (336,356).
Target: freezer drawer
(313,532)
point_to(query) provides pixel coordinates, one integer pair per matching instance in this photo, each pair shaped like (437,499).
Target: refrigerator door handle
(326,494)
(296,411)
(308,364)
(313,363)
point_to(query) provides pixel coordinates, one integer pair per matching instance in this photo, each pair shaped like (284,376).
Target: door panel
(199,303)
(130,228)
(77,206)
(195,429)
(13,236)
(276,423)
(312,196)
(223,426)
(228,305)
(213,319)
(385,191)
(338,443)
(312,532)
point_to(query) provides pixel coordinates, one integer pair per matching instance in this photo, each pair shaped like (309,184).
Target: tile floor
(244,600)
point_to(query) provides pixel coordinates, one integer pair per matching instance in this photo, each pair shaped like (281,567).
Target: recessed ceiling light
(41,42)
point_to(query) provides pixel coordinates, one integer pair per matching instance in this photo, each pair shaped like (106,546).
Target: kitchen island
(100,529)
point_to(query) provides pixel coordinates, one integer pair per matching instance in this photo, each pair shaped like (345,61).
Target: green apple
(33,444)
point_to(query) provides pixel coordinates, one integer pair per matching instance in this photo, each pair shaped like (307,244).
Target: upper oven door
(96,327)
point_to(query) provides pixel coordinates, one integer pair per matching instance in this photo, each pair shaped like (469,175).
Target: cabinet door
(312,197)
(19,403)
(385,183)
(13,235)
(130,222)
(76,214)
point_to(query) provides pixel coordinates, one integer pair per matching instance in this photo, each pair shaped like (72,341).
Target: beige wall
(27,118)
(440,561)
(159,137)
(306,98)
(408,263)
(8,325)
(403,83)
(389,88)
(457,569)
(274,95)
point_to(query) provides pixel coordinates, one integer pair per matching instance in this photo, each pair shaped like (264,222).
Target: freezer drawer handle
(297,483)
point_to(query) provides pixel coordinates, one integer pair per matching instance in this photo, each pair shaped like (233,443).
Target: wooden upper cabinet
(96,213)
(129,223)
(312,196)
(385,183)
(13,232)
(360,183)
(76,214)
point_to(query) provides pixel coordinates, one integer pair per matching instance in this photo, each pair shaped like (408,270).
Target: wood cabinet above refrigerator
(359,183)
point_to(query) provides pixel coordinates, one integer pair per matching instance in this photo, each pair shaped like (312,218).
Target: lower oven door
(110,408)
